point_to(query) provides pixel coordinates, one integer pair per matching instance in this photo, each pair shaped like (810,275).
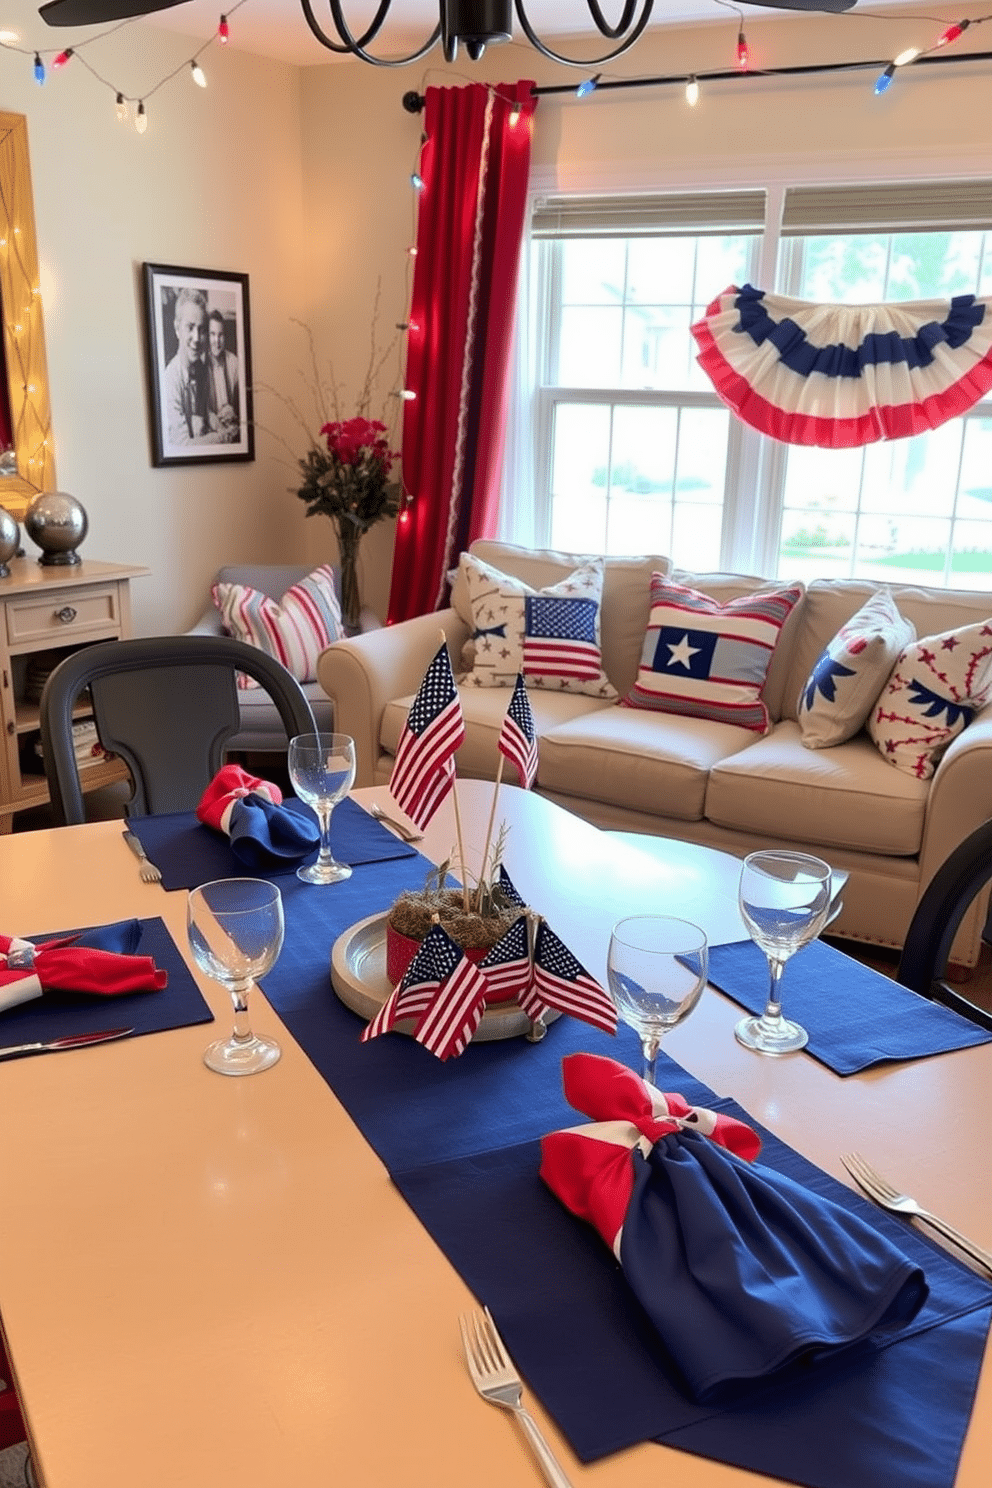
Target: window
(636,453)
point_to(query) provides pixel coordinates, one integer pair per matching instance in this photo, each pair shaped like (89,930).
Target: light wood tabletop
(209,1281)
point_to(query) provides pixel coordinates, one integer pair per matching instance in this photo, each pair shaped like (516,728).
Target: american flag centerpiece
(560,981)
(442,990)
(424,767)
(517,738)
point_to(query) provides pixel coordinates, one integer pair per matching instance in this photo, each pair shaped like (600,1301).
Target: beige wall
(301,179)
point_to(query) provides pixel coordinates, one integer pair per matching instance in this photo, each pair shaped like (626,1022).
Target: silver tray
(358,976)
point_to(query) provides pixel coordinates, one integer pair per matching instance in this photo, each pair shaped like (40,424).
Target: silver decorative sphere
(10,540)
(57,523)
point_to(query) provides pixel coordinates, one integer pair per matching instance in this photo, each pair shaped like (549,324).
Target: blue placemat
(188,853)
(59,1014)
(461,1141)
(855,1017)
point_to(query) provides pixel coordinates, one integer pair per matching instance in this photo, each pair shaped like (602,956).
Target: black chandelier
(476,24)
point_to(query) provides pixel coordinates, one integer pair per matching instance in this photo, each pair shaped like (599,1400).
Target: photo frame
(198,345)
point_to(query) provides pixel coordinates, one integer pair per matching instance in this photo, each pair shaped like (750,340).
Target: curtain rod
(414,102)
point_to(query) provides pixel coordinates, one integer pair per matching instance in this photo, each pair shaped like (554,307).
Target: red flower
(352,440)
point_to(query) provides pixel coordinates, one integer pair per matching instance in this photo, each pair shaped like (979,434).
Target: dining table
(216,1281)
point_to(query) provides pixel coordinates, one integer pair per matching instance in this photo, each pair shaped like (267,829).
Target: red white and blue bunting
(840,376)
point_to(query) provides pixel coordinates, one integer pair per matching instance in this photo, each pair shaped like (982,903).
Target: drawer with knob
(79,614)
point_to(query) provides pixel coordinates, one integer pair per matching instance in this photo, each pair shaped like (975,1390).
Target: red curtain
(474,165)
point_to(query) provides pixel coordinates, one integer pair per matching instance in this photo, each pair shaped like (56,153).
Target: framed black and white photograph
(199,365)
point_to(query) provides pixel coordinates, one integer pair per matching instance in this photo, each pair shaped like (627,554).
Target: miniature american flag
(424,768)
(506,967)
(443,990)
(560,981)
(508,888)
(517,740)
(560,637)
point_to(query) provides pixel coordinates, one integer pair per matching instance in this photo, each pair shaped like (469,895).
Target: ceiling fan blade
(834,6)
(95,12)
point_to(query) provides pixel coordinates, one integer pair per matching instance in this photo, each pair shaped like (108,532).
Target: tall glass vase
(351,602)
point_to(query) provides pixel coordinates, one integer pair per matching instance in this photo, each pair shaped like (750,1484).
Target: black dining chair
(940,911)
(166,705)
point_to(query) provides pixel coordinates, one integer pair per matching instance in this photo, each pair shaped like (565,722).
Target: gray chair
(168,706)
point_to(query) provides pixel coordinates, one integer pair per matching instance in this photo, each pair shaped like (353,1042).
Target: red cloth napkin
(69,965)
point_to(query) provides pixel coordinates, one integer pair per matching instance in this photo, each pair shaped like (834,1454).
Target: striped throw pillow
(708,660)
(294,629)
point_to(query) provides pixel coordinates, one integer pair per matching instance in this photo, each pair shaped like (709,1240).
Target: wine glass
(235,928)
(784,899)
(657,971)
(322,771)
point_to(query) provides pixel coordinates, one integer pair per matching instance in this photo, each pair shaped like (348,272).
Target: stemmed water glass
(784,899)
(235,928)
(656,969)
(322,772)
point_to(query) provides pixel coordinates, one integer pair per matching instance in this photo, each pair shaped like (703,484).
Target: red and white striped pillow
(294,629)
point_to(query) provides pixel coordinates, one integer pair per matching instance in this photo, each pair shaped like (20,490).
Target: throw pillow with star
(550,635)
(842,688)
(709,660)
(936,688)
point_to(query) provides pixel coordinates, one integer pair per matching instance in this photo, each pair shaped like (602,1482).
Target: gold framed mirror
(30,449)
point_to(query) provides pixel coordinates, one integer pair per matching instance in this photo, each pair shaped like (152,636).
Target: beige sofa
(704,782)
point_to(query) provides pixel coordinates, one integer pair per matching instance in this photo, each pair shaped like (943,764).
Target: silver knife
(74,1041)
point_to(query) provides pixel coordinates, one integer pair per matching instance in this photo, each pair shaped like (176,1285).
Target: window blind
(905,206)
(696,213)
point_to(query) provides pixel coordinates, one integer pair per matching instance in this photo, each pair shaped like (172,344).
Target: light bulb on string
(904,58)
(141,118)
(587,86)
(62,59)
(39,69)
(885,80)
(121,108)
(692,92)
(417,181)
(952,33)
(197,74)
(406,395)
(515,116)
(223,31)
(743,55)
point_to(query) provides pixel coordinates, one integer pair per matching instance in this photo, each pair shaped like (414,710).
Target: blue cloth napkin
(461,1141)
(266,836)
(855,1017)
(56,1015)
(188,853)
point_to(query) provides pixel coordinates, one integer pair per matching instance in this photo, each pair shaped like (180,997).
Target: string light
(885,80)
(39,69)
(743,55)
(141,118)
(514,116)
(692,92)
(904,58)
(406,395)
(587,86)
(952,33)
(62,59)
(223,31)
(121,108)
(197,73)
(417,181)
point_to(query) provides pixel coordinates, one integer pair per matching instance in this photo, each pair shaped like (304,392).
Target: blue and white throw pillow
(709,660)
(843,687)
(936,688)
(549,635)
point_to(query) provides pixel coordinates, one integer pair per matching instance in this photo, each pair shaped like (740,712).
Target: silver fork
(879,1189)
(496,1380)
(376,810)
(149,873)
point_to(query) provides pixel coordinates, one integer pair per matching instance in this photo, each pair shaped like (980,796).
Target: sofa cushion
(484,710)
(704,659)
(935,689)
(844,797)
(293,629)
(643,761)
(625,603)
(851,671)
(549,635)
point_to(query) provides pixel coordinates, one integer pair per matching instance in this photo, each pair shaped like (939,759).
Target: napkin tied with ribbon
(249,811)
(740,1269)
(98,961)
